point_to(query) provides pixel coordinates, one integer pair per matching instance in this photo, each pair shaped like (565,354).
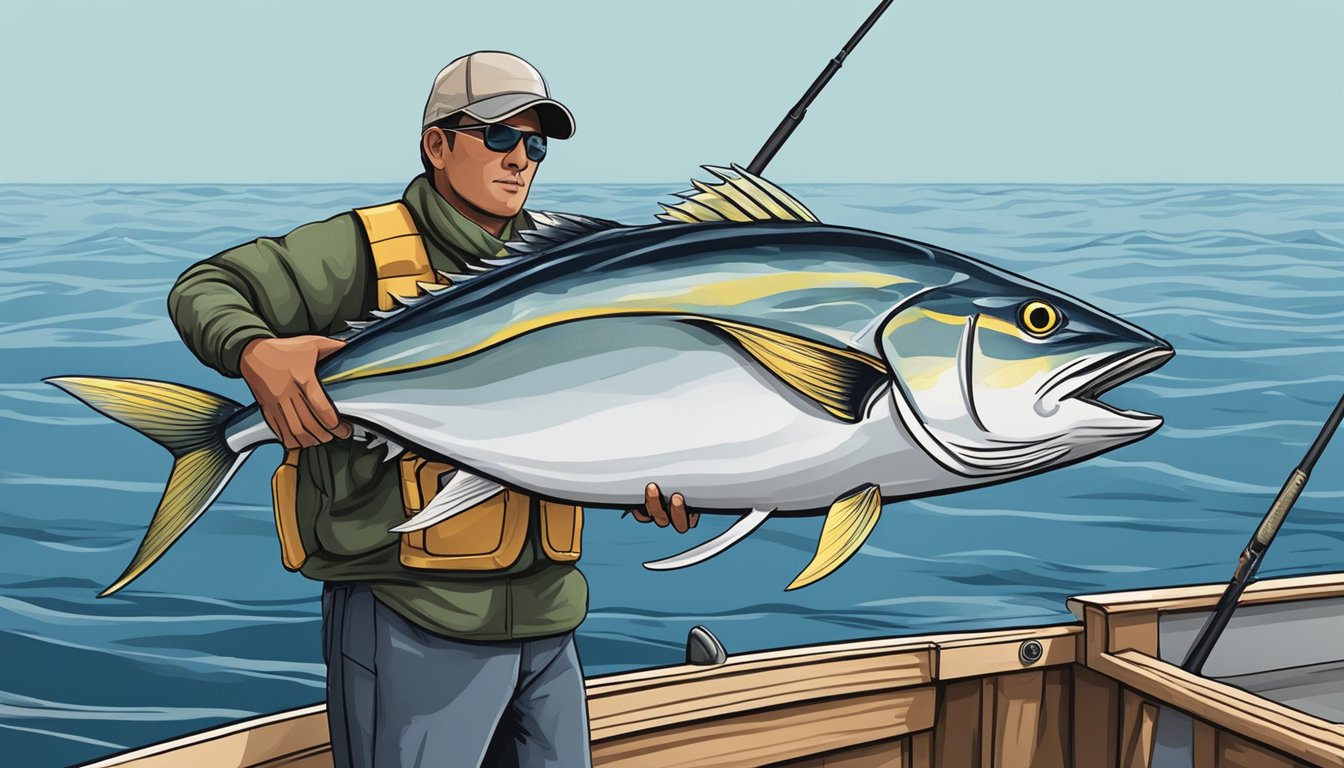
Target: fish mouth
(1091,378)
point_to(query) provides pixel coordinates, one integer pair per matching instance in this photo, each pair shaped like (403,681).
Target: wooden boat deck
(1103,693)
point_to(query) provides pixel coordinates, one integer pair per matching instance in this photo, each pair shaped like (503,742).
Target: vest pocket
(478,531)
(561,531)
(284,500)
(488,537)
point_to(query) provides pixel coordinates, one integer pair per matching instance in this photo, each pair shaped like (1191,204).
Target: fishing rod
(795,116)
(1254,553)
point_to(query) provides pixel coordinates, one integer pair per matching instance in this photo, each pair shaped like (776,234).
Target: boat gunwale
(1196,597)
(792,656)
(1290,731)
(1121,631)
(627,705)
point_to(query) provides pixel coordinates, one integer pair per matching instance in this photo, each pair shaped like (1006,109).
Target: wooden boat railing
(1088,695)
(1230,727)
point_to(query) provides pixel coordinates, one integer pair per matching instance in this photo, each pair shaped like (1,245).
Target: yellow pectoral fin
(840,380)
(847,526)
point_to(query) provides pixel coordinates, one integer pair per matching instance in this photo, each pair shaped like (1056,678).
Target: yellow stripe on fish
(723,294)
(903,319)
(1007,375)
(926,371)
(735,291)
(998,325)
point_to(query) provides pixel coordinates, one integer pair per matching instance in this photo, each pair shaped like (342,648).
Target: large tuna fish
(787,367)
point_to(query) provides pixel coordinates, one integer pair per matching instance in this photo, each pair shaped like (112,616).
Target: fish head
(996,376)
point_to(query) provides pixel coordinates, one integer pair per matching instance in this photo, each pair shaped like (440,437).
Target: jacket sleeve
(310,281)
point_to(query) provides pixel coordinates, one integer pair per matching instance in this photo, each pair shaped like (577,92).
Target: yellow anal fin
(847,526)
(840,380)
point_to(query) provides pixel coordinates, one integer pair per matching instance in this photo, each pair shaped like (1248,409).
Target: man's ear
(435,146)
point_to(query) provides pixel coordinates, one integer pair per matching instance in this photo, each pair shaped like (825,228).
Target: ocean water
(1247,282)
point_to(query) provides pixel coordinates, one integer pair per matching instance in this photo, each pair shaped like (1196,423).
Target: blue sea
(1247,282)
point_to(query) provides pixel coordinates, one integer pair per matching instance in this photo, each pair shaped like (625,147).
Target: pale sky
(1063,91)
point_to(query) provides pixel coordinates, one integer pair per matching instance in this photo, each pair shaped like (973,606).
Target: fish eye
(1039,318)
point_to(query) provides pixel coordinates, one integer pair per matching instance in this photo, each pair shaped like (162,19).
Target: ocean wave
(986,557)
(1234,309)
(1028,514)
(1189,389)
(33,392)
(964,600)
(1210,482)
(61,287)
(128,486)
(306,605)
(1219,430)
(84,261)
(1199,264)
(1318,352)
(77,738)
(20,706)
(870,549)
(120,330)
(55,421)
(1232,238)
(89,612)
(16,583)
(189,662)
(108,546)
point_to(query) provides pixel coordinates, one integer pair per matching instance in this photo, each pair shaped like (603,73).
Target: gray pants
(401,697)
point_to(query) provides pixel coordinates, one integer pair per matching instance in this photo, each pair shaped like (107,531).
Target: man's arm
(308,282)
(261,310)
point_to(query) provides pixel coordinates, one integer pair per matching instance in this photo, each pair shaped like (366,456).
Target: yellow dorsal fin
(741,204)
(740,195)
(840,380)
(847,526)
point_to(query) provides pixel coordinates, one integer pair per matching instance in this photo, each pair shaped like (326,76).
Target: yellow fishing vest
(488,537)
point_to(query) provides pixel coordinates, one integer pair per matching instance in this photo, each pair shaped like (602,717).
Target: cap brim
(556,121)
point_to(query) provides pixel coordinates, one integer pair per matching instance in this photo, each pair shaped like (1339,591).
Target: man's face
(495,182)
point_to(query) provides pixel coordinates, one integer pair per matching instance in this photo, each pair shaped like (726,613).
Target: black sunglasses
(503,138)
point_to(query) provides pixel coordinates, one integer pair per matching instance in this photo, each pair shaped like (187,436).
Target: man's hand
(674,513)
(282,374)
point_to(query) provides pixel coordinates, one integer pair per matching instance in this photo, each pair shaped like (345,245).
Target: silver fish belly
(593,417)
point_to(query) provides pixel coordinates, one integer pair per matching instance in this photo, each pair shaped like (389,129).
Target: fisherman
(453,645)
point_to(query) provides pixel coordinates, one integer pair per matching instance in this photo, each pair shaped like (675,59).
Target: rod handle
(1292,488)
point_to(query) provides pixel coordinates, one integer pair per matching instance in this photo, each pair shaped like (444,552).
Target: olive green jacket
(312,281)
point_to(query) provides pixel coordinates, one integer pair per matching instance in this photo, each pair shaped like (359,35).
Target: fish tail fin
(189,423)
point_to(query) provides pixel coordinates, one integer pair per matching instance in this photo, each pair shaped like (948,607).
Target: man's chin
(507,209)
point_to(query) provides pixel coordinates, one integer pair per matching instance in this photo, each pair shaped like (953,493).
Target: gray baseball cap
(493,85)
